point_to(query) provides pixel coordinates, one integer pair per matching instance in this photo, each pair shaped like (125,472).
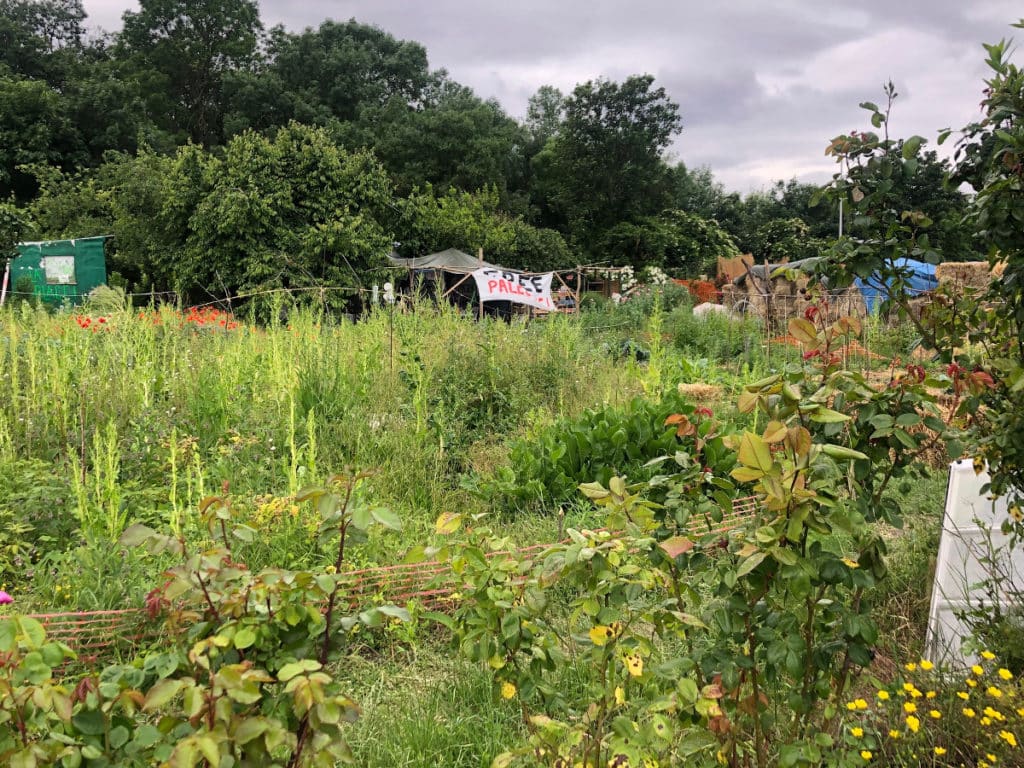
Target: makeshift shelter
(778,292)
(493,289)
(61,270)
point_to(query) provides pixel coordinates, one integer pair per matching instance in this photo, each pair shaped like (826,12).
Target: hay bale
(964,274)
(700,393)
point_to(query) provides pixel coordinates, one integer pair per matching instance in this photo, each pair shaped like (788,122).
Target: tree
(605,166)
(181,50)
(544,113)
(34,130)
(341,68)
(682,242)
(455,139)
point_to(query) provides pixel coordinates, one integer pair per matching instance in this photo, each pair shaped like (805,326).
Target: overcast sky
(762,84)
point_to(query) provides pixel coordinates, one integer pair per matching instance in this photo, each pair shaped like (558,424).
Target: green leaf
(911,145)
(161,693)
(295,668)
(249,729)
(387,518)
(89,722)
(842,452)
(828,416)
(244,638)
(751,563)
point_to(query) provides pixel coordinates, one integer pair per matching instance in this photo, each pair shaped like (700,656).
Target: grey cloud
(762,84)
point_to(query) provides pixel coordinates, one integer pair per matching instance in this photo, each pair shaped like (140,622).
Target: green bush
(598,445)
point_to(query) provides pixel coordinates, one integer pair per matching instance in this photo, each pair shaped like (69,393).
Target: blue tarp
(919,278)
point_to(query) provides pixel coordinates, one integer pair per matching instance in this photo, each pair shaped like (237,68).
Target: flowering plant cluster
(923,718)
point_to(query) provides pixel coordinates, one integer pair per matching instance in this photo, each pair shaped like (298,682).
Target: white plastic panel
(970,533)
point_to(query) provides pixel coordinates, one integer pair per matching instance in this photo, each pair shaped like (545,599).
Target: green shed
(62,270)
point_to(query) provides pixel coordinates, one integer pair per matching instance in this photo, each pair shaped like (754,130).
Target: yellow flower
(930,695)
(940,751)
(963,695)
(860,703)
(1008,737)
(850,705)
(934,714)
(1020,711)
(910,707)
(910,666)
(909,687)
(866,754)
(994,692)
(987,655)
(508,690)
(913,723)
(986,721)
(915,694)
(620,696)
(976,669)
(894,734)
(856,732)
(926,665)
(1016,513)
(1006,674)
(968,712)
(883,695)
(971,682)
(990,757)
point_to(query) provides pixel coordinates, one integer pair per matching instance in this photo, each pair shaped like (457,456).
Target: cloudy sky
(762,84)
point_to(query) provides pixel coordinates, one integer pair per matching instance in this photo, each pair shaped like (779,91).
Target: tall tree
(182,50)
(605,165)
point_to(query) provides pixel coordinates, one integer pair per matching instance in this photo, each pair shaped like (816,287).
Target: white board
(971,521)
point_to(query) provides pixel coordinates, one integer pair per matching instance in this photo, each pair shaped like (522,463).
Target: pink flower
(5,599)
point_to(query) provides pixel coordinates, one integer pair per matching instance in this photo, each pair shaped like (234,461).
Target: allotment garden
(630,536)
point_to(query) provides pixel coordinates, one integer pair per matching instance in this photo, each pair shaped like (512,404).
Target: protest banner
(499,285)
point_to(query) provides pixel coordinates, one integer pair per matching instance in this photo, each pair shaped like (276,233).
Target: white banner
(497,285)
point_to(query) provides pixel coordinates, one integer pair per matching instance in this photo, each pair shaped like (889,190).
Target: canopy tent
(918,276)
(450,260)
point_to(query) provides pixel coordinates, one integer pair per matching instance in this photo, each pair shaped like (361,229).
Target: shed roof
(450,260)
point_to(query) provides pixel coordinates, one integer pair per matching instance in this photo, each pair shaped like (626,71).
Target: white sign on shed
(970,534)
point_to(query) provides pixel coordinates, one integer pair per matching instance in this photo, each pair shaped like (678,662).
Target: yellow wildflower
(934,714)
(987,655)
(856,732)
(910,666)
(1006,674)
(930,695)
(940,751)
(971,682)
(866,754)
(1008,737)
(508,690)
(986,721)
(963,695)
(926,665)
(860,703)
(990,757)
(850,705)
(968,712)
(910,707)
(883,695)
(894,734)
(909,687)
(913,723)
(976,669)
(994,692)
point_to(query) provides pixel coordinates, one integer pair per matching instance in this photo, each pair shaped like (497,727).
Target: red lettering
(491,285)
